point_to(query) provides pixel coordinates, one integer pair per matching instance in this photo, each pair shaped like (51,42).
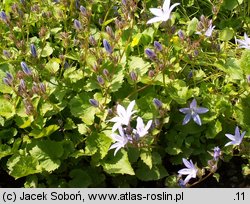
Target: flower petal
(157,12)
(148,125)
(186,180)
(193,104)
(196,119)
(187,163)
(173,6)
(185,171)
(231,137)
(130,107)
(201,110)
(185,110)
(166,5)
(186,119)
(237,132)
(154,20)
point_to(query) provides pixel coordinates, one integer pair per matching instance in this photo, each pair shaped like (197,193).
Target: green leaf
(144,173)
(80,179)
(5,150)
(138,65)
(192,26)
(47,50)
(118,164)
(245,62)
(20,166)
(45,132)
(213,129)
(7,109)
(53,65)
(48,153)
(226,34)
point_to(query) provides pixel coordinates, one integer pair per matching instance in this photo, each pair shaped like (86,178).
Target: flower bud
(105,73)
(157,46)
(157,103)
(22,85)
(217,153)
(94,102)
(92,40)
(42,87)
(26,69)
(3,16)
(107,46)
(181,35)
(133,76)
(6,53)
(150,53)
(77,25)
(100,80)
(110,31)
(7,81)
(77,4)
(33,50)
(9,76)
(151,73)
(83,10)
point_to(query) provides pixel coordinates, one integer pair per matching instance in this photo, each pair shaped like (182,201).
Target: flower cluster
(127,134)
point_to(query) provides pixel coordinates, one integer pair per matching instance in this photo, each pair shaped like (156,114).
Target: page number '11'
(240,196)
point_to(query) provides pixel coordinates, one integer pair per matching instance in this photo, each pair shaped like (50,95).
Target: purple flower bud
(110,31)
(217,153)
(181,183)
(9,76)
(83,10)
(196,53)
(157,103)
(100,80)
(7,81)
(124,2)
(190,75)
(107,46)
(92,40)
(3,16)
(181,35)
(6,53)
(66,65)
(77,25)
(150,53)
(200,26)
(157,46)
(157,122)
(106,73)
(133,76)
(22,85)
(94,102)
(33,50)
(26,69)
(151,73)
(77,4)
(42,87)
(35,88)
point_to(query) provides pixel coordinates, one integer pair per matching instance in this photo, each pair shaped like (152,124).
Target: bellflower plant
(162,14)
(124,115)
(120,140)
(193,112)
(190,171)
(244,43)
(236,139)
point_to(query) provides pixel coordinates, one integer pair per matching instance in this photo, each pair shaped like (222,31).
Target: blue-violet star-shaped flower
(236,139)
(193,112)
(190,171)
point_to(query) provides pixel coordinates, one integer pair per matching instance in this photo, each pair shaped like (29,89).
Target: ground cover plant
(131,93)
